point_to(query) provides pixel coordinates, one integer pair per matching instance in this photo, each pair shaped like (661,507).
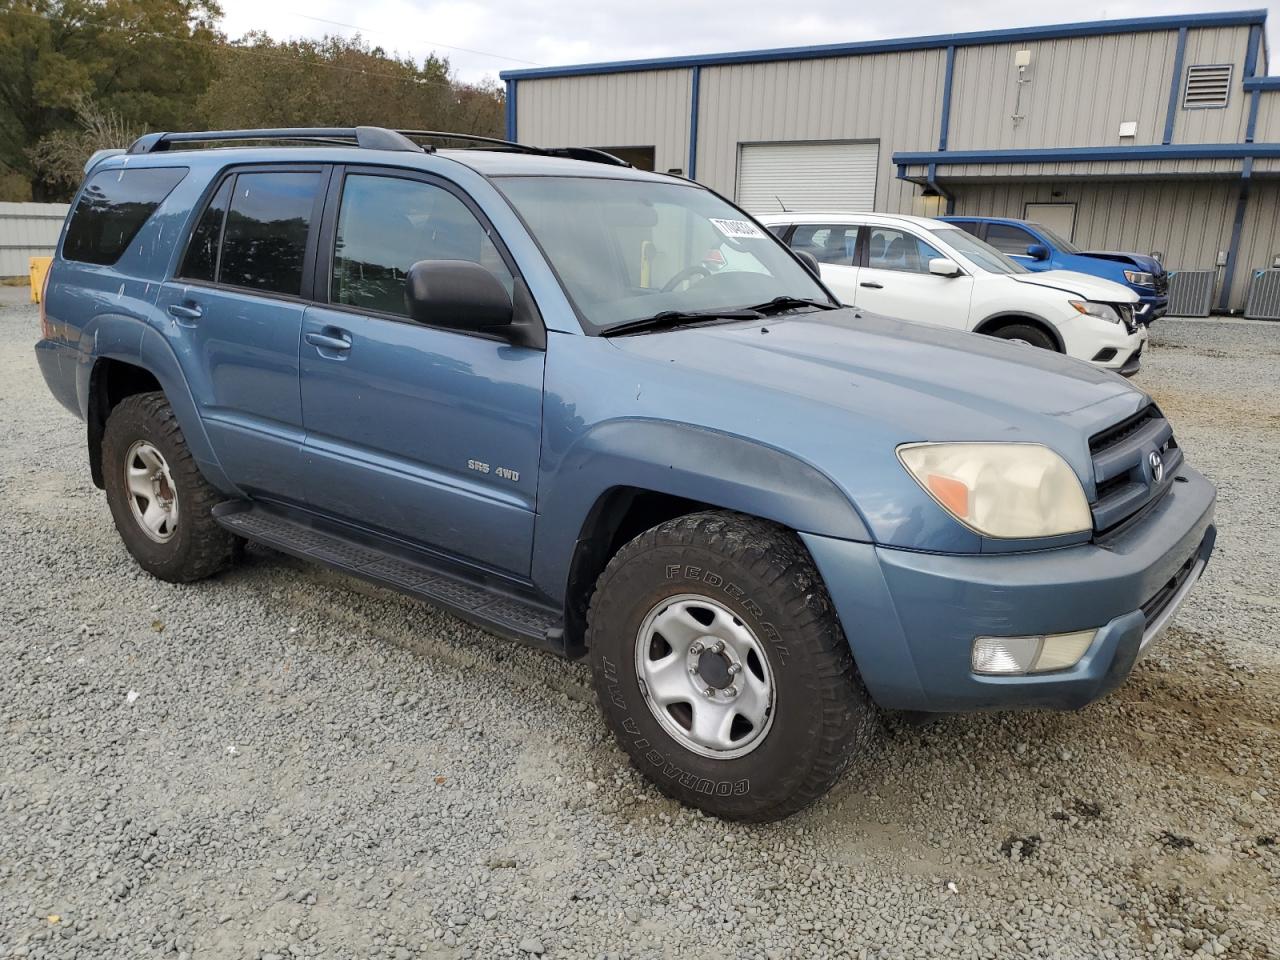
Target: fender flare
(722,470)
(132,341)
(1039,321)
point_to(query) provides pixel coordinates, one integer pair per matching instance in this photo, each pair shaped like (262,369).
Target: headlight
(1005,490)
(1140,278)
(1091,308)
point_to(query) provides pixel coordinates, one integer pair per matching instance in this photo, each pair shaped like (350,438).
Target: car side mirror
(810,262)
(1038,251)
(942,267)
(457,295)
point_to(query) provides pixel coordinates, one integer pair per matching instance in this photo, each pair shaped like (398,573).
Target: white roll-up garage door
(828,175)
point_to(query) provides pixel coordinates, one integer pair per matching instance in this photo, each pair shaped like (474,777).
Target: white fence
(28,230)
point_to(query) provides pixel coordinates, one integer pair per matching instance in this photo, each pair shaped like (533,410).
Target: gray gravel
(285,763)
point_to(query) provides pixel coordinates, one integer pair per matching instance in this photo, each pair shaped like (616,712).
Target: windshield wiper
(778,304)
(669,319)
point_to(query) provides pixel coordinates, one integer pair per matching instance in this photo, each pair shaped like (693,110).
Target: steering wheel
(688,273)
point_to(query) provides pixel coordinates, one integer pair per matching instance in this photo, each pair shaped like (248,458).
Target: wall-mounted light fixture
(1021,60)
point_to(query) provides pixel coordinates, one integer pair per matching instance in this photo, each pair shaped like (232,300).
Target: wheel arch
(1006,317)
(628,476)
(131,362)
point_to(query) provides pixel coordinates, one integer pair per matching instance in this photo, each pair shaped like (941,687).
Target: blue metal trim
(1237,228)
(945,126)
(695,86)
(1173,151)
(1175,84)
(511,110)
(1250,68)
(1236,18)
(1262,83)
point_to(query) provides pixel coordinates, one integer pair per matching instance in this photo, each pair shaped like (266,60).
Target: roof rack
(367,138)
(588,154)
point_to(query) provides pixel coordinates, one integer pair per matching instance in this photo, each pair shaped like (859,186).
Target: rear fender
(130,340)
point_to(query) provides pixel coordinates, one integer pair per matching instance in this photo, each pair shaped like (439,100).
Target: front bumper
(911,618)
(1150,307)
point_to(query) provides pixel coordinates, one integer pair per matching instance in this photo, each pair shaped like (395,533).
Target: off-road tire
(198,547)
(1028,334)
(822,716)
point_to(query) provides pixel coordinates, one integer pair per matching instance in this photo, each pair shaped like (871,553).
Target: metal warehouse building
(1151,134)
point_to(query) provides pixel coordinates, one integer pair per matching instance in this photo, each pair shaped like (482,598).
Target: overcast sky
(500,36)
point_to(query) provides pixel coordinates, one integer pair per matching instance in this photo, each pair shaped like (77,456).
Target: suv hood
(804,380)
(1079,285)
(1140,261)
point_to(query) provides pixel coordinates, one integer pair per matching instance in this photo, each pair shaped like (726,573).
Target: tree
(337,81)
(60,157)
(145,62)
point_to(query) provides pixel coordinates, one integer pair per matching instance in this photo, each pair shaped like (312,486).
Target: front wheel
(1026,333)
(722,669)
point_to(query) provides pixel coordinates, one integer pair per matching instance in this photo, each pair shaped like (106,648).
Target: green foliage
(79,75)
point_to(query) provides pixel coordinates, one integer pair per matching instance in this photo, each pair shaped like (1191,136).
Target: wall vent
(1264,296)
(1191,292)
(1208,85)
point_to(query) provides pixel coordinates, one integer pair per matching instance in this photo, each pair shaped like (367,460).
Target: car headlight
(1140,278)
(1091,308)
(1004,490)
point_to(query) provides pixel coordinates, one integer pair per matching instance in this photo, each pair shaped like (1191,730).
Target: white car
(915,268)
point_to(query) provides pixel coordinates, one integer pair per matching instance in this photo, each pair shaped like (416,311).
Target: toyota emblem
(1157,466)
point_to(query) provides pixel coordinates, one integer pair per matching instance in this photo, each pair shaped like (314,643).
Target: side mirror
(810,262)
(1038,251)
(458,295)
(942,267)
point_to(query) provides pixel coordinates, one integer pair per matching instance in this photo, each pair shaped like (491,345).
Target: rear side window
(264,241)
(112,209)
(201,262)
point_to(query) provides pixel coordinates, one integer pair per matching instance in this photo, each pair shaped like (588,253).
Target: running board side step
(487,602)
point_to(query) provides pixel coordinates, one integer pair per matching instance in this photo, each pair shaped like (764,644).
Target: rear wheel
(722,669)
(159,500)
(1026,333)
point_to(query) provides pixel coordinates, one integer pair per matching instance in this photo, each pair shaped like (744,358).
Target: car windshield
(980,253)
(1066,246)
(630,249)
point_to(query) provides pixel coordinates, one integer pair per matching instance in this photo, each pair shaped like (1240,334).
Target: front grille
(1155,606)
(1160,281)
(1124,477)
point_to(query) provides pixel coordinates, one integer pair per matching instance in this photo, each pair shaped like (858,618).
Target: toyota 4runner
(604,412)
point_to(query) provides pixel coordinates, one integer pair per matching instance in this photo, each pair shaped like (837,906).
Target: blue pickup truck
(1038,248)
(605,412)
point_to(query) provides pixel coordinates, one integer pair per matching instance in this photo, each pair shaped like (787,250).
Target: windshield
(629,249)
(1066,246)
(980,253)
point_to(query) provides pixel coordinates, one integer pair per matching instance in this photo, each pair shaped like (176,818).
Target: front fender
(719,469)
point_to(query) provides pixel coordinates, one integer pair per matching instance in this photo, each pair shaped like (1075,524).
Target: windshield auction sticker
(738,229)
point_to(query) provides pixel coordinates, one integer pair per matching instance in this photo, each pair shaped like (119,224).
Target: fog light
(1015,656)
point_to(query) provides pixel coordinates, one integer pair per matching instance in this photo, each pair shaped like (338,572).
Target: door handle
(326,341)
(185,311)
(871,285)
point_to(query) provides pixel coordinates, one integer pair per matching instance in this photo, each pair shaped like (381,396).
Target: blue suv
(604,412)
(1038,248)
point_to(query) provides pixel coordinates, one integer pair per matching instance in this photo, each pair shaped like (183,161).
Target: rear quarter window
(112,209)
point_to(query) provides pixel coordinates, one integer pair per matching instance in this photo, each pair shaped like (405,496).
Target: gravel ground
(283,762)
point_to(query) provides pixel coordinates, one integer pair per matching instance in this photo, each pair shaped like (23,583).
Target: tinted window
(890,249)
(112,209)
(829,243)
(264,242)
(201,261)
(979,254)
(386,225)
(1010,240)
